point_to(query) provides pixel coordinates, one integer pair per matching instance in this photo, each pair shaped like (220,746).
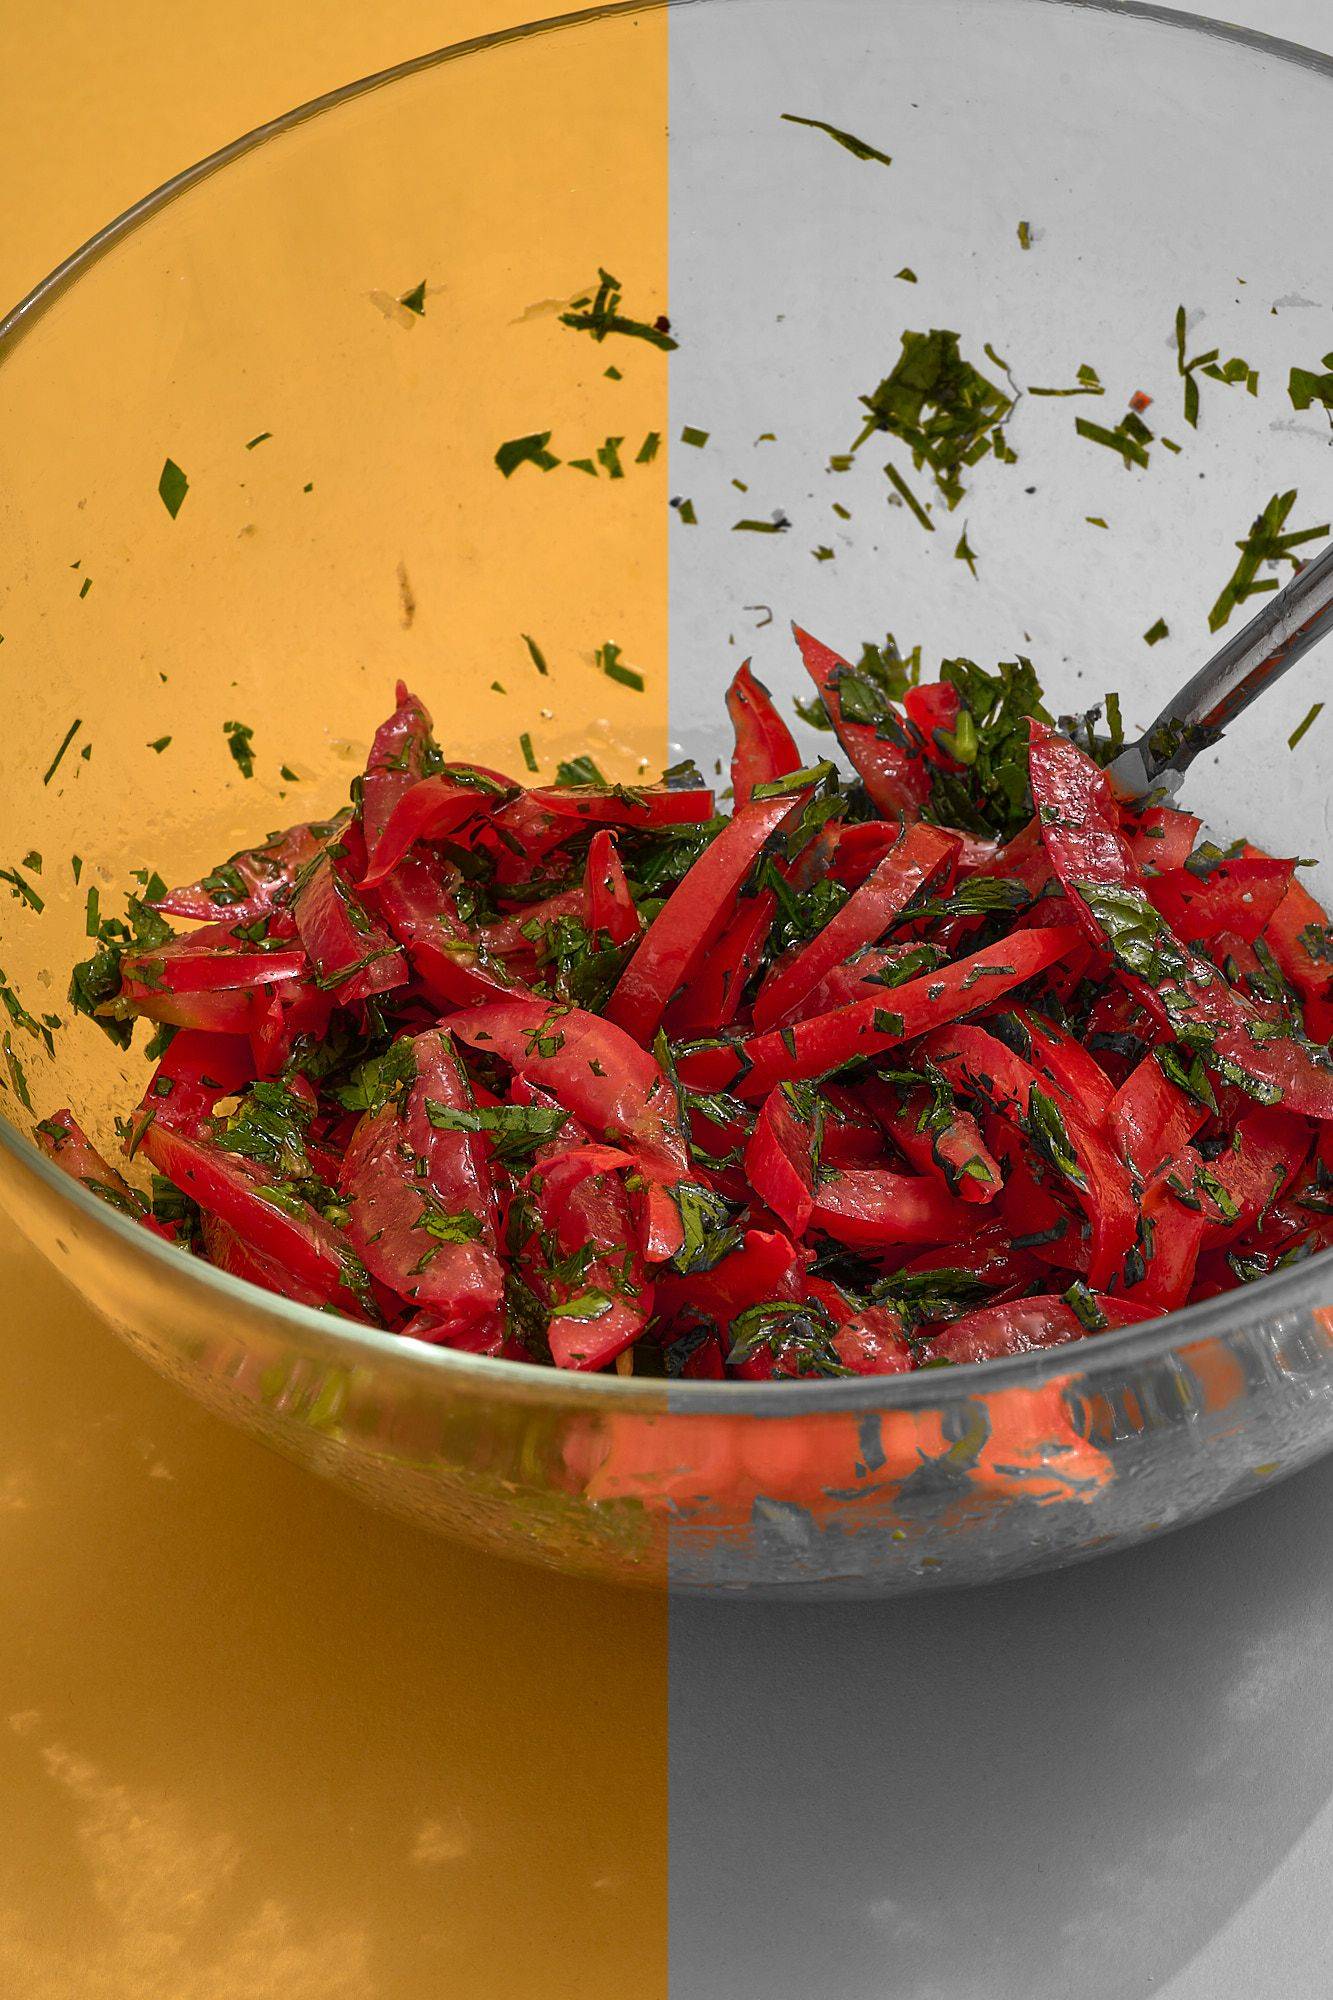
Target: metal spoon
(1297,618)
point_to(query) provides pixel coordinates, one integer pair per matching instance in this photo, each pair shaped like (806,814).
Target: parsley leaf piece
(608,662)
(1304,387)
(1266,542)
(1159,630)
(530,450)
(649,449)
(172,487)
(608,456)
(415,300)
(1302,726)
(900,486)
(907,274)
(529,756)
(536,654)
(240,742)
(858,148)
(695,437)
(1025,235)
(943,408)
(747,527)
(964,553)
(159,743)
(67,739)
(579,770)
(24,891)
(602,316)
(262,438)
(1131,437)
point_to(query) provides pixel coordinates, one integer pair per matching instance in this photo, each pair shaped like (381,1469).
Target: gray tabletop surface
(1107,1785)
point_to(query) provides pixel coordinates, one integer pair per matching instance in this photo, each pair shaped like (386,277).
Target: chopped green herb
(823,554)
(1266,542)
(240,741)
(1130,437)
(262,438)
(843,513)
(1025,235)
(24,891)
(685,509)
(1231,372)
(1301,727)
(415,300)
(964,553)
(613,375)
(286,771)
(530,450)
(1159,630)
(1304,387)
(608,662)
(946,412)
(907,274)
(16,1074)
(858,148)
(1088,384)
(76,866)
(68,738)
(159,743)
(444,1226)
(498,687)
(580,770)
(900,486)
(85,587)
(608,455)
(695,437)
(649,449)
(760,527)
(1094,520)
(535,652)
(601,316)
(172,487)
(32,861)
(525,745)
(516,1130)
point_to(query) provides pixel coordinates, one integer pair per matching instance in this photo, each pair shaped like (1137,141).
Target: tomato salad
(953,1058)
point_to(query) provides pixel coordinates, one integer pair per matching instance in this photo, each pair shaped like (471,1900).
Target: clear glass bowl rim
(344,1340)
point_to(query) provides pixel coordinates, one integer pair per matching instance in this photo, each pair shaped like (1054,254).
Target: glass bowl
(1062,179)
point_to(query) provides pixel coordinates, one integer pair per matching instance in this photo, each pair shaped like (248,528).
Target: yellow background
(254,1739)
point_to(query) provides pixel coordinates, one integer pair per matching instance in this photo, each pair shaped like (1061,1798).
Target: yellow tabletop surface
(255,1740)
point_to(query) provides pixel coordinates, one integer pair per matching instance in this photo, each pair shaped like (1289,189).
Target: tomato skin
(996,1332)
(895,775)
(765,748)
(606,1080)
(351,952)
(604,898)
(1080,823)
(918,863)
(402,1170)
(240,1193)
(676,943)
(822,1042)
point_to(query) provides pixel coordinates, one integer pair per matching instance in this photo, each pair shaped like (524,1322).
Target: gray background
(1115,1782)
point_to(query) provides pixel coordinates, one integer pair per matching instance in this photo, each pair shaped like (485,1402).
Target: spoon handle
(1297,618)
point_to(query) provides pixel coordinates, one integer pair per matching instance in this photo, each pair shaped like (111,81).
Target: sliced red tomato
(423,1210)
